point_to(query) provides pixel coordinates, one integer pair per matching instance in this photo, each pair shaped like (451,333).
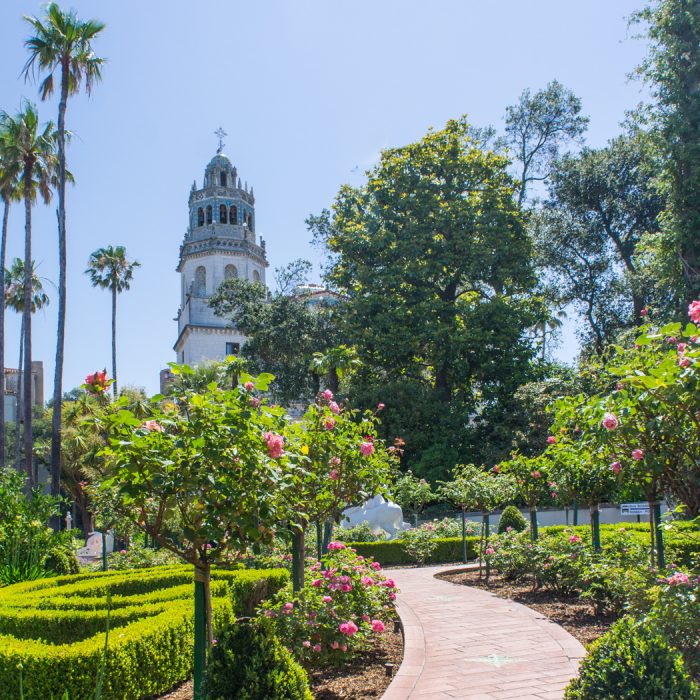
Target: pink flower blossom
(151,425)
(553,494)
(316,583)
(333,546)
(254,401)
(306,644)
(694,311)
(317,648)
(287,608)
(490,550)
(349,628)
(249,386)
(335,645)
(275,444)
(616,467)
(681,347)
(610,421)
(346,587)
(619,386)
(678,579)
(643,312)
(122,551)
(327,599)
(638,454)
(335,461)
(377,626)
(684,361)
(344,648)
(574,539)
(496,469)
(327,395)
(367,448)
(392,596)
(367,580)
(334,407)
(671,340)
(334,475)
(380,406)
(329,423)
(535,475)
(97,382)
(551,440)
(389,583)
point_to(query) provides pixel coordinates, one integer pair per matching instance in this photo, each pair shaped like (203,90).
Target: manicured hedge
(55,627)
(391,552)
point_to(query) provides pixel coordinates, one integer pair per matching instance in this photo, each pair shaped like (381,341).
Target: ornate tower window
(230,271)
(200,217)
(245,217)
(222,179)
(209,214)
(233,215)
(200,281)
(256,276)
(222,212)
(250,221)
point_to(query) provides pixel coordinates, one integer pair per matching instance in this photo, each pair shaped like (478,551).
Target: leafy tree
(412,494)
(538,126)
(30,149)
(62,42)
(14,299)
(110,269)
(672,69)
(435,263)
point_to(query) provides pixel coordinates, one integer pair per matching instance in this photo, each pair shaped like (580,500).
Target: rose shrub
(345,601)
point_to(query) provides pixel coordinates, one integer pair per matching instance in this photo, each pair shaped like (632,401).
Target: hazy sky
(309,92)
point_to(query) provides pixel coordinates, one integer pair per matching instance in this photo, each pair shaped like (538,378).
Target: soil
(362,678)
(572,612)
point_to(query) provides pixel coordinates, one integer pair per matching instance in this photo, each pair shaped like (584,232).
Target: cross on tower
(220,133)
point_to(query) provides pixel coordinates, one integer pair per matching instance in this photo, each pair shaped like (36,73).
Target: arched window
(256,276)
(209,213)
(250,221)
(230,271)
(245,217)
(222,179)
(200,217)
(200,281)
(222,213)
(233,215)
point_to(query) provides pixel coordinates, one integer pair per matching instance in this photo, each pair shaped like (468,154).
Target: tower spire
(220,133)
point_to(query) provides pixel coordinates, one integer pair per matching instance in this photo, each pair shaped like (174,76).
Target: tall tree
(110,269)
(435,262)
(538,126)
(14,299)
(28,147)
(62,42)
(9,192)
(672,68)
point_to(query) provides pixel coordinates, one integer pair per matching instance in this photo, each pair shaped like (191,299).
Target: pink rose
(610,421)
(151,425)
(122,551)
(678,579)
(317,648)
(327,599)
(551,440)
(574,539)
(684,362)
(335,645)
(616,467)
(334,407)
(306,644)
(380,406)
(344,648)
(254,401)
(329,423)
(275,444)
(377,626)
(694,311)
(535,475)
(681,347)
(490,550)
(643,312)
(249,386)
(376,566)
(332,546)
(334,475)
(638,454)
(367,448)
(348,628)
(327,395)
(367,580)
(335,461)
(316,583)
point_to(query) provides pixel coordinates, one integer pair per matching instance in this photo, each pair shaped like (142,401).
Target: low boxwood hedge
(54,629)
(392,552)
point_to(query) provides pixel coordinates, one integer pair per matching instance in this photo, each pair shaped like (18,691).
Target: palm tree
(33,152)
(547,325)
(14,299)
(62,42)
(109,268)
(9,192)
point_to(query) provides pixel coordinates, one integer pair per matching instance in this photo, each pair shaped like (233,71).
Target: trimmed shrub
(632,662)
(448,549)
(62,560)
(511,517)
(249,663)
(55,629)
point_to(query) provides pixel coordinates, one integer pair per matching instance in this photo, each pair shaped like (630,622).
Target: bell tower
(220,242)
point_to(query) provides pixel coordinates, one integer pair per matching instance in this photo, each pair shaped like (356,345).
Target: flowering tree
(216,462)
(412,494)
(473,488)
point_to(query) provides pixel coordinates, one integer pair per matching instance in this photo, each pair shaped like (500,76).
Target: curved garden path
(462,642)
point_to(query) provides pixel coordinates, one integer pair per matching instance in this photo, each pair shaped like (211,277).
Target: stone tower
(220,242)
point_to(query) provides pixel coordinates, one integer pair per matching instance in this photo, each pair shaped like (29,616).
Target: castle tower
(220,242)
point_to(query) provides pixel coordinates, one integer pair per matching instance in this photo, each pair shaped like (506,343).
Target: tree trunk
(62,258)
(18,401)
(27,318)
(3,248)
(298,546)
(202,625)
(114,339)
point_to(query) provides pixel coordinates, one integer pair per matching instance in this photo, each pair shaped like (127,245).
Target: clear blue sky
(308,92)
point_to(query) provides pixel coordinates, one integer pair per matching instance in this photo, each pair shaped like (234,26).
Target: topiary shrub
(249,663)
(62,560)
(632,662)
(511,517)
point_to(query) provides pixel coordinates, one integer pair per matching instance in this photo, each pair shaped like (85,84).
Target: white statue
(93,545)
(378,513)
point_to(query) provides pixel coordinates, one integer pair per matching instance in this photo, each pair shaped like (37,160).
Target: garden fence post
(297,559)
(487,532)
(200,633)
(104,551)
(534,534)
(595,527)
(660,553)
(464,537)
(319,539)
(575,512)
(327,534)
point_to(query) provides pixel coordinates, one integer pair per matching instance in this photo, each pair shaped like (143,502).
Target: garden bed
(363,677)
(574,614)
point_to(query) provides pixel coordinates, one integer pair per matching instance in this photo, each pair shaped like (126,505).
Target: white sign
(634,509)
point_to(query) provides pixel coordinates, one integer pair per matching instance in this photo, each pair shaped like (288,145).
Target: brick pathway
(463,642)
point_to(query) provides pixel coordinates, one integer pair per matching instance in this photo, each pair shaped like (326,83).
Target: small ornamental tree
(533,482)
(217,464)
(344,464)
(473,488)
(412,494)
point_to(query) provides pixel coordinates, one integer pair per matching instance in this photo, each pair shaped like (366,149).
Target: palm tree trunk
(27,321)
(62,258)
(114,339)
(20,376)
(3,247)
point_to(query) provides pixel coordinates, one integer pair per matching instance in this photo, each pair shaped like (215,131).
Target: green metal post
(297,560)
(104,551)
(595,527)
(660,553)
(200,633)
(319,539)
(534,534)
(464,537)
(327,534)
(575,512)
(487,532)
